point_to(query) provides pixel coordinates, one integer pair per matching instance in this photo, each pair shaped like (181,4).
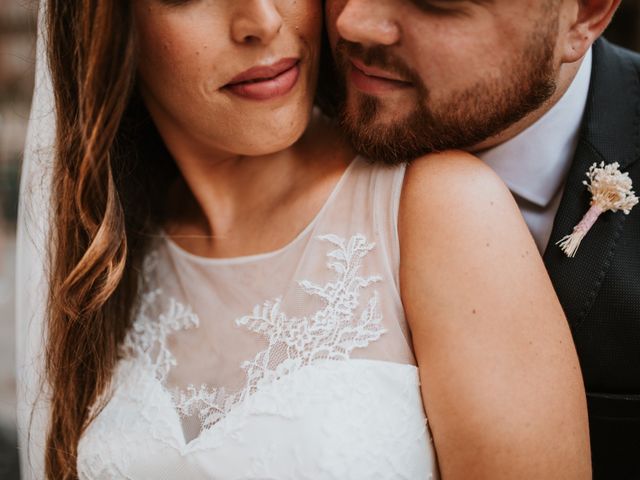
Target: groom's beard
(466,119)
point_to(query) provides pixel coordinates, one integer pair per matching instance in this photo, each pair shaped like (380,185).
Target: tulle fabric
(31,266)
(291,364)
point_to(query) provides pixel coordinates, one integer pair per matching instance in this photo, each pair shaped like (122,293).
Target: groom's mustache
(378,56)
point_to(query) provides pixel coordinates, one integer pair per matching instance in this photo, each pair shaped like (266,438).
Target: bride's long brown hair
(107,197)
(111,174)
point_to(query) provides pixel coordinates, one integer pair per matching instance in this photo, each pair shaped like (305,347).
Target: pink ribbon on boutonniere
(611,190)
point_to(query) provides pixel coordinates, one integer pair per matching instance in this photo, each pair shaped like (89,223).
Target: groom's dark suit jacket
(600,288)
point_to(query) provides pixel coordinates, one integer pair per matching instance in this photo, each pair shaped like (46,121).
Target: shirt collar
(535,162)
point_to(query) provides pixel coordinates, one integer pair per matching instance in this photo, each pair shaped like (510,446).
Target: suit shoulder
(626,55)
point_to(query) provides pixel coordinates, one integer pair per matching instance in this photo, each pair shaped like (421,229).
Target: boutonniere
(611,190)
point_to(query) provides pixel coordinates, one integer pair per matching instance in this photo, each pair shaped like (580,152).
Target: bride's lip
(265,82)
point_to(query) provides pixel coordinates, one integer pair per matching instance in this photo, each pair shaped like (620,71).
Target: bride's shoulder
(455,194)
(452,175)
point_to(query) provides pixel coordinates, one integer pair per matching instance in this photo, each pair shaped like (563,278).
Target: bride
(233,293)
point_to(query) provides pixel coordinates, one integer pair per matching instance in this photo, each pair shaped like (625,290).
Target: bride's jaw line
(233,109)
(228,81)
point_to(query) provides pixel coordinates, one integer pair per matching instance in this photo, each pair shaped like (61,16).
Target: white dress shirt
(534,164)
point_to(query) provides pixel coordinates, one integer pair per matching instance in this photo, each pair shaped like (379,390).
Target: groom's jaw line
(375,81)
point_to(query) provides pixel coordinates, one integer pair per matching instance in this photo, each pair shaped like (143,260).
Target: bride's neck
(227,188)
(225,197)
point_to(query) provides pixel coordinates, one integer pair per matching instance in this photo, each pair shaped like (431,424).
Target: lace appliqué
(331,333)
(147,339)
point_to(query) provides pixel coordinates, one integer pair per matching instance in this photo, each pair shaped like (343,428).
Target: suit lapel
(609,134)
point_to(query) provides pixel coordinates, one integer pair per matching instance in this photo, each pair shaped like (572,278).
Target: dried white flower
(611,190)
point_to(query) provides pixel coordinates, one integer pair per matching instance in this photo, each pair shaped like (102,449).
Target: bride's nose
(255,21)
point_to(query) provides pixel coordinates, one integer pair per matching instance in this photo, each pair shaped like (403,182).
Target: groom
(530,87)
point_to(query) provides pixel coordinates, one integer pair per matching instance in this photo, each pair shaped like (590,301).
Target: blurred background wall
(17,53)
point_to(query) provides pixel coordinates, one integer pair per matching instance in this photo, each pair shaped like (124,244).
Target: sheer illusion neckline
(180,251)
(274,369)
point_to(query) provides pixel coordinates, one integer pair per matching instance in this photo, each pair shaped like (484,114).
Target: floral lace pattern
(331,333)
(320,378)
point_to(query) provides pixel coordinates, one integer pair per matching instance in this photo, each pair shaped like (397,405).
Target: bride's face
(229,77)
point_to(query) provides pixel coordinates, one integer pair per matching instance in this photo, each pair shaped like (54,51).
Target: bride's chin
(275,138)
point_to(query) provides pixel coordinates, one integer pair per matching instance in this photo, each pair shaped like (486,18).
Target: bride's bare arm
(500,376)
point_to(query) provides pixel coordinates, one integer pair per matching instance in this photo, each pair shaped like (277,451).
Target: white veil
(31,265)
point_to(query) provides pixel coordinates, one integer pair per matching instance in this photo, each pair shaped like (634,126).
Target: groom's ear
(582,22)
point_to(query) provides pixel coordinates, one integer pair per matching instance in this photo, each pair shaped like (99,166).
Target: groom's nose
(369,22)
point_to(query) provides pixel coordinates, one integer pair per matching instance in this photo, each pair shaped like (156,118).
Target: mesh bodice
(225,344)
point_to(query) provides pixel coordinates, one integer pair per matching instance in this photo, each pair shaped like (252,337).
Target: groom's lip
(375,81)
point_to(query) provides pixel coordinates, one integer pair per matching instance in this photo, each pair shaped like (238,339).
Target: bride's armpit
(500,376)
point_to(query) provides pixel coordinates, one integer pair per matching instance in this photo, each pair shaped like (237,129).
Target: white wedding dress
(294,364)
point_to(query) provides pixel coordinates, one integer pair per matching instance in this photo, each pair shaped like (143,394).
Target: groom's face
(425,75)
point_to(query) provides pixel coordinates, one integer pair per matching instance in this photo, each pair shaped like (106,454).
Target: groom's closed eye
(174,3)
(448,7)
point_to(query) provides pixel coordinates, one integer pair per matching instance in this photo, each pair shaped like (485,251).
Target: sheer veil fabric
(31,265)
